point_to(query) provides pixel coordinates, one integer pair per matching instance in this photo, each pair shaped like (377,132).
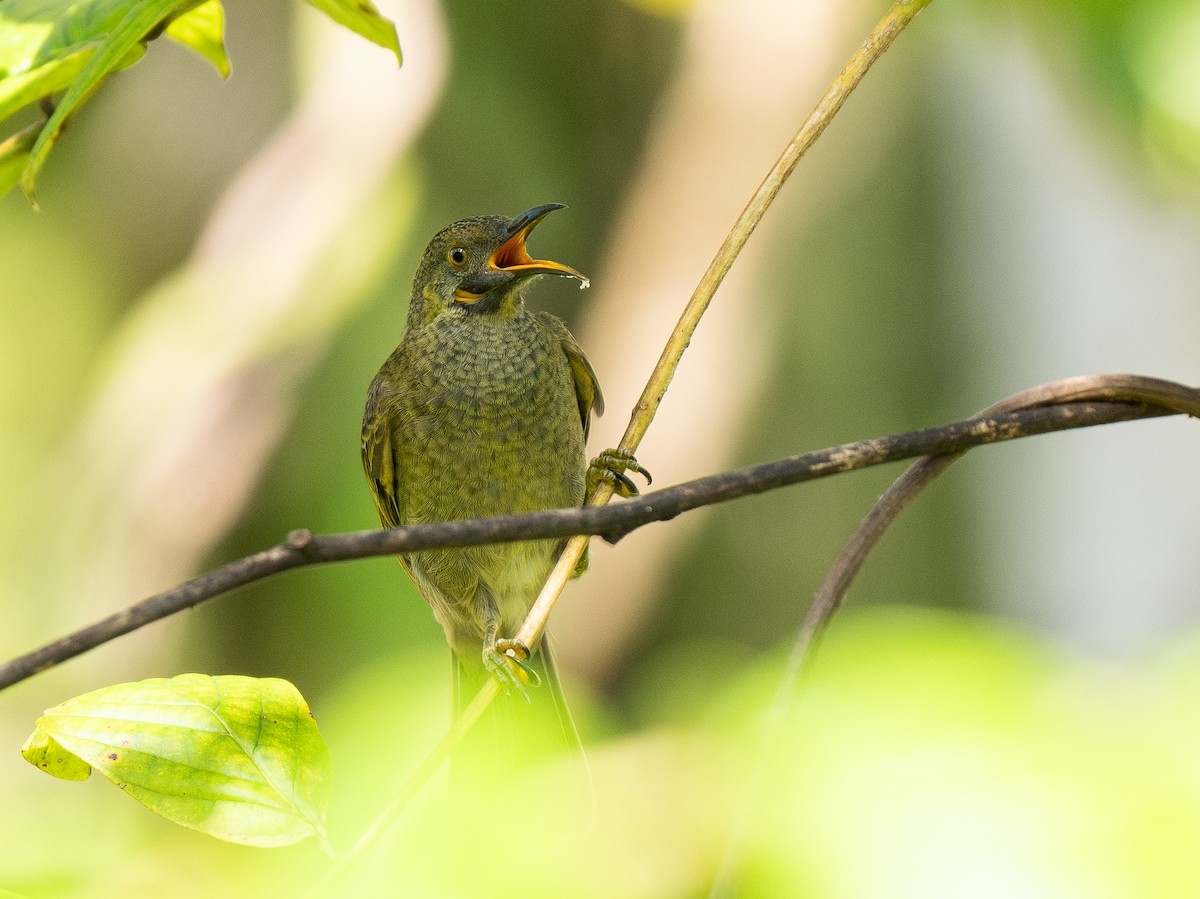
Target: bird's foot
(609,468)
(506,661)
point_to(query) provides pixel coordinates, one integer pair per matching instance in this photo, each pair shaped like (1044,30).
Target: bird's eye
(457,257)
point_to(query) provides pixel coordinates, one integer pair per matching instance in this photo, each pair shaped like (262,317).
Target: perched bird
(483,409)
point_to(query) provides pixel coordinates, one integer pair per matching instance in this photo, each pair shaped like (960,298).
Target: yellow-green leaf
(36,32)
(14,151)
(49,47)
(239,758)
(45,44)
(203,29)
(364,19)
(45,753)
(140,19)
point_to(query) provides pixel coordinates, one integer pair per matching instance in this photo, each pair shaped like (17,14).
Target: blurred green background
(1007,707)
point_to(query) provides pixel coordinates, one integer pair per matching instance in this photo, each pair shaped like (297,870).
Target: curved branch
(1088,388)
(1077,403)
(1156,396)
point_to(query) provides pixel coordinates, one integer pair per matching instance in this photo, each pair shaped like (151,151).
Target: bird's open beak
(511,257)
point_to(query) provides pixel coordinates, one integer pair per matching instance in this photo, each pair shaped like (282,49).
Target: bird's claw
(609,468)
(506,661)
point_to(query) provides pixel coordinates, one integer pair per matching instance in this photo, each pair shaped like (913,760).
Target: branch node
(299,539)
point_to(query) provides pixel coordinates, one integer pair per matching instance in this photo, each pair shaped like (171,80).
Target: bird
(483,409)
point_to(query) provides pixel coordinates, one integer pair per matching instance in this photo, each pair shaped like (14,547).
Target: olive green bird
(483,409)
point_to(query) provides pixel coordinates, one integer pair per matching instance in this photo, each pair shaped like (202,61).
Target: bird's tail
(516,734)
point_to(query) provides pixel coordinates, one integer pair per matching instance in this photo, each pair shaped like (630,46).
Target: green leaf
(51,46)
(239,758)
(140,19)
(34,32)
(203,29)
(14,151)
(43,751)
(45,44)
(19,91)
(361,17)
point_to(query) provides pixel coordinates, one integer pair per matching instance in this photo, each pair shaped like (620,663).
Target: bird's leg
(581,566)
(516,651)
(610,467)
(505,659)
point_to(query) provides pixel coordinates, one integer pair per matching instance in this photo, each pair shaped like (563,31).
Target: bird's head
(477,266)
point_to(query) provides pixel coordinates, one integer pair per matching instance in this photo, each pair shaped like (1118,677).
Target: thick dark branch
(611,522)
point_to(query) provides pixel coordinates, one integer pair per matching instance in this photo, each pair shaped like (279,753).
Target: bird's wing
(379,461)
(587,386)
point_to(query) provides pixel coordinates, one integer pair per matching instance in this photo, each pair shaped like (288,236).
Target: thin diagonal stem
(880,38)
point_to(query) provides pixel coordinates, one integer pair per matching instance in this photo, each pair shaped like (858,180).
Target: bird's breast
(489,422)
